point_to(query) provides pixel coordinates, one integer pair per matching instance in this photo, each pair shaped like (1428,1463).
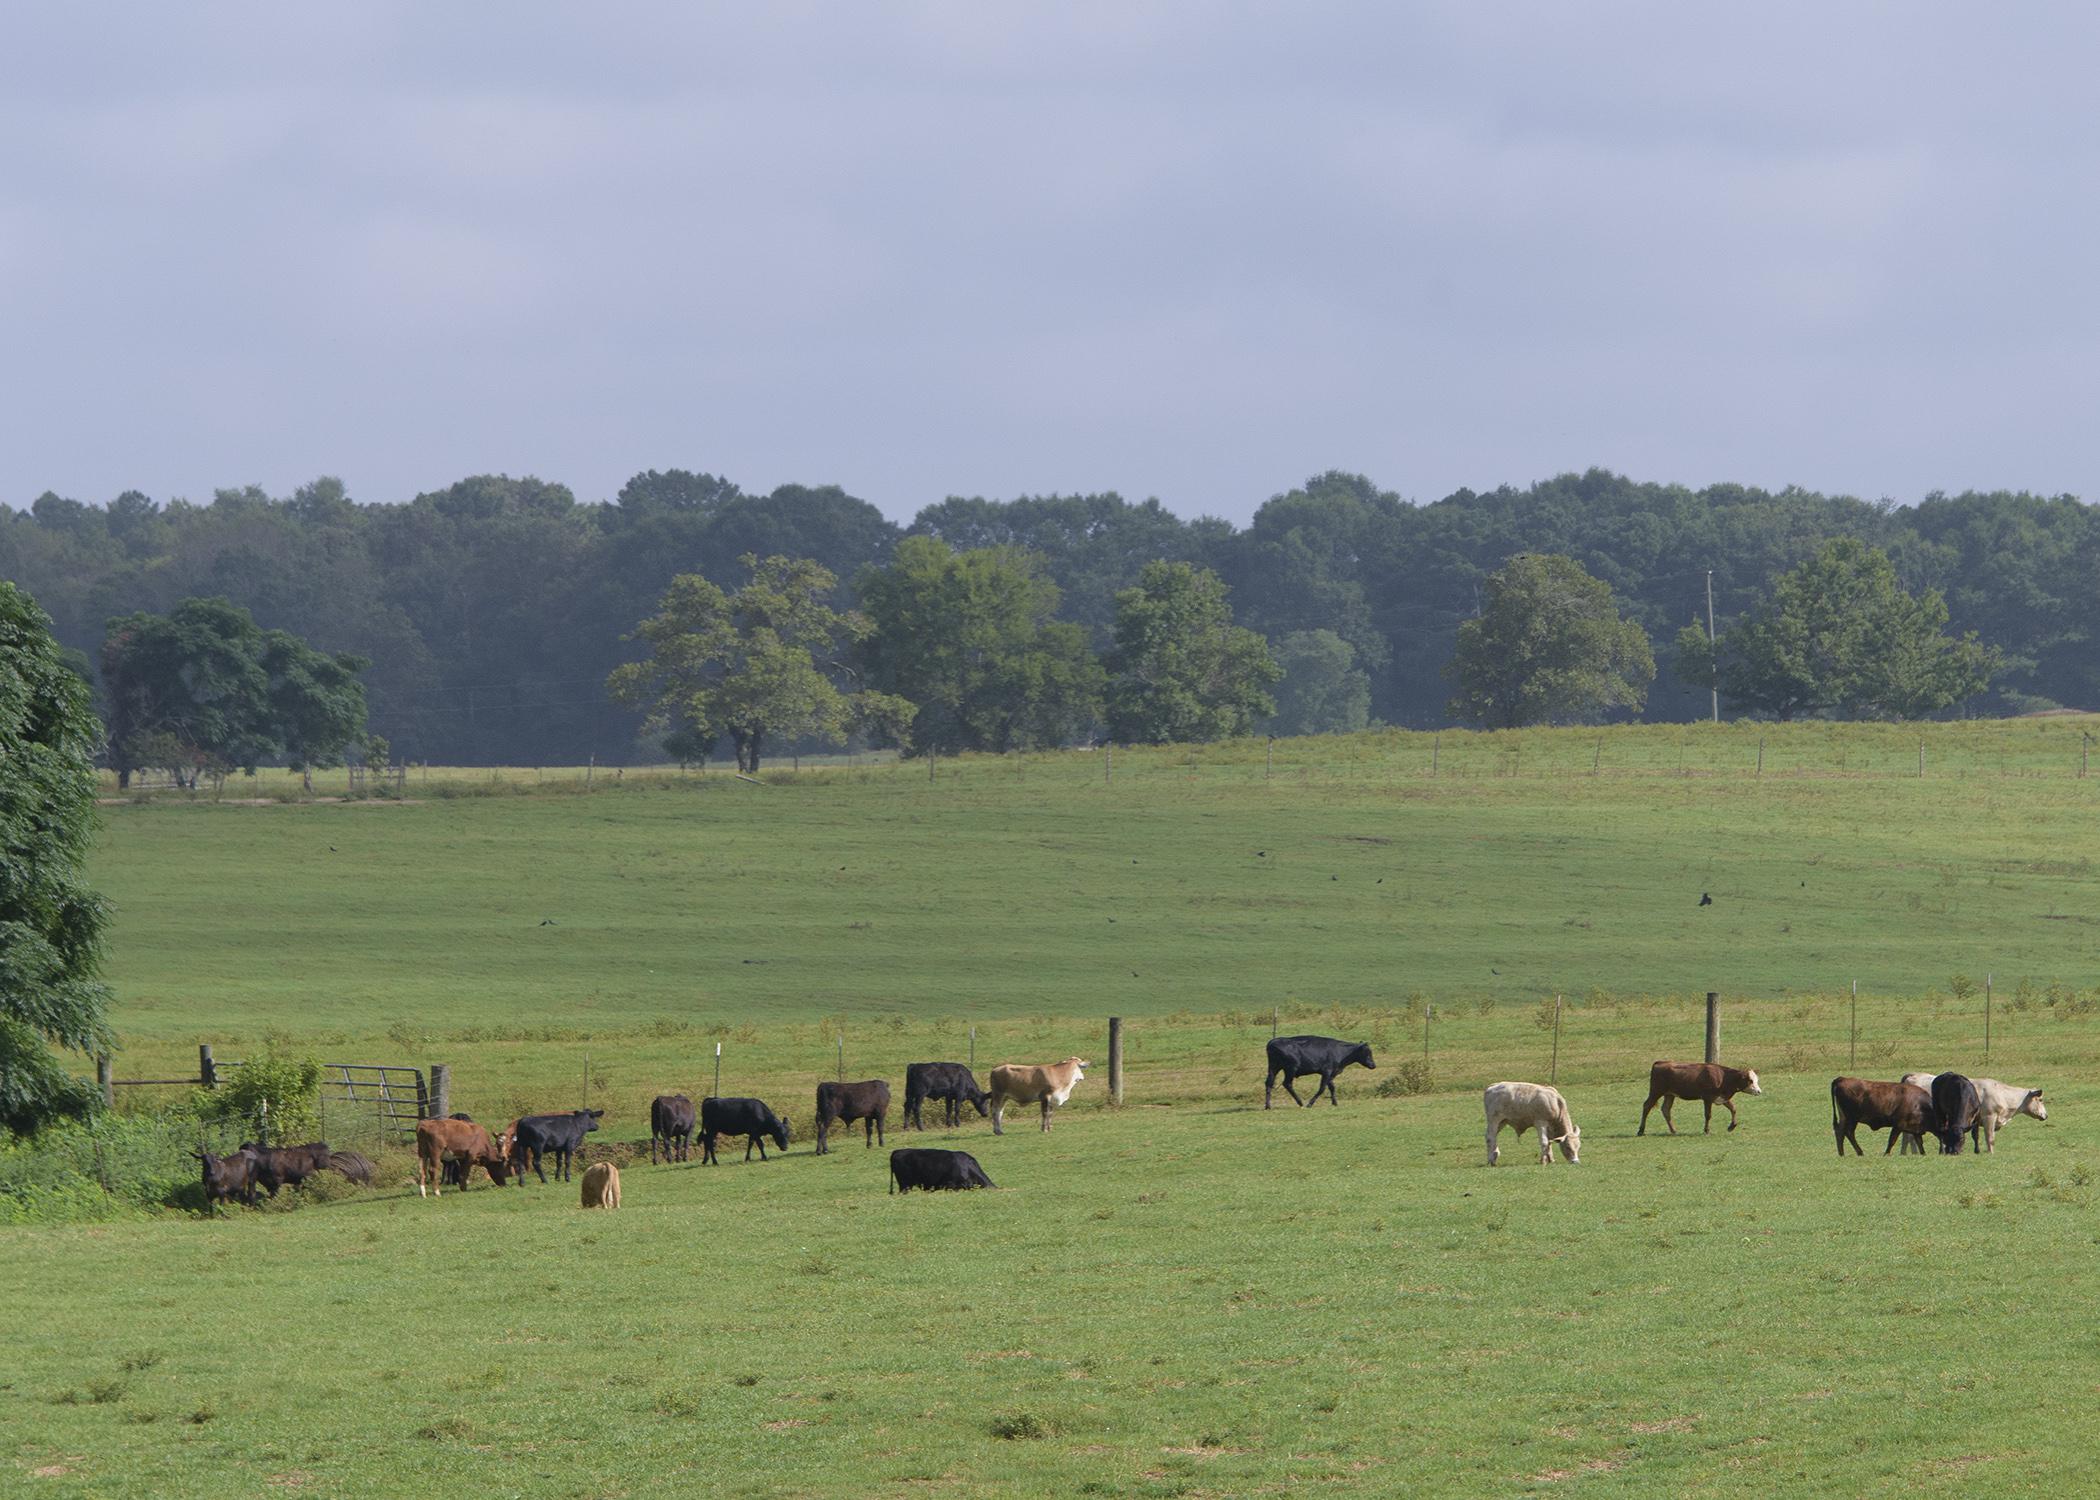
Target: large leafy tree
(972,638)
(50,922)
(1840,635)
(203,689)
(1321,691)
(755,665)
(1180,670)
(1548,647)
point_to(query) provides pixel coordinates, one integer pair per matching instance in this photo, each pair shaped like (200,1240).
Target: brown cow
(1899,1108)
(601,1185)
(1706,1082)
(1023,1083)
(461,1140)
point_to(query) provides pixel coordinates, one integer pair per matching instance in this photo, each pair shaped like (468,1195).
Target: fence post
(1115,1059)
(1269,767)
(1713,1027)
(1428,1010)
(842,1056)
(105,1081)
(1436,748)
(207,1070)
(1760,755)
(1554,1075)
(1855,1025)
(1108,762)
(718,1072)
(438,1102)
(1986,1018)
(1597,759)
(586,1104)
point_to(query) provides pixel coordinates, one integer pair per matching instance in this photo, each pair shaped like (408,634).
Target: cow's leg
(1268,1089)
(1644,1113)
(1288,1080)
(998,1114)
(1327,1082)
(1895,1135)
(1709,1117)
(1045,1104)
(1669,1100)
(1733,1118)
(1494,1144)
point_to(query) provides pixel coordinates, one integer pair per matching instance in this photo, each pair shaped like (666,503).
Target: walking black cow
(746,1117)
(950,1082)
(559,1136)
(671,1122)
(1955,1100)
(930,1170)
(1296,1056)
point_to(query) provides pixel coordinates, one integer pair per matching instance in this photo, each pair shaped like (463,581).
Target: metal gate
(398,1096)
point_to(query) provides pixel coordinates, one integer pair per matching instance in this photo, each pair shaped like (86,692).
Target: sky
(1197,252)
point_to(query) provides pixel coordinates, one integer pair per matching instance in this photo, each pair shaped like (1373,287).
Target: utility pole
(1715,667)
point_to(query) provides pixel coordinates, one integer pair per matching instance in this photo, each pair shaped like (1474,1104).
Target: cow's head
(1362,1054)
(1570,1144)
(498,1169)
(591,1117)
(2032,1105)
(1753,1088)
(1078,1065)
(977,1096)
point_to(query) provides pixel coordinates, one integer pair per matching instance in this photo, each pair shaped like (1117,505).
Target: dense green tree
(187,691)
(1180,671)
(1321,691)
(1548,647)
(317,703)
(972,638)
(1840,635)
(755,665)
(50,922)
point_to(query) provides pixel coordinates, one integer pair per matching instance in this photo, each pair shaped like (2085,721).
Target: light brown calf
(601,1185)
(1049,1085)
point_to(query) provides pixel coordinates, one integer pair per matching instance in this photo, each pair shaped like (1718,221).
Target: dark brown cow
(843,1103)
(1706,1082)
(1899,1108)
(227,1179)
(286,1166)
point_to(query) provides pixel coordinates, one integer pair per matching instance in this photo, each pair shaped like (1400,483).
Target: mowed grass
(1157,1301)
(1184,1296)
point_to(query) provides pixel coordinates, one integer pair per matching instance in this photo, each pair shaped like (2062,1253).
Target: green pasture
(1182,1296)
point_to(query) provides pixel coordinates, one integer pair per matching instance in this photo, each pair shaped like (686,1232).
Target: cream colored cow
(601,1185)
(1529,1106)
(1026,1083)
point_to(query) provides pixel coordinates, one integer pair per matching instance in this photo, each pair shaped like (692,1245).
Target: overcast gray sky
(1192,251)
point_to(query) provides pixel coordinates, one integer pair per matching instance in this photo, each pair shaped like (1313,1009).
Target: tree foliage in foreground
(1840,635)
(1180,670)
(50,922)
(1548,647)
(755,665)
(973,639)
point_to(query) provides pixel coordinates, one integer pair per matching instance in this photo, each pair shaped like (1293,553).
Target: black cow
(671,1121)
(930,1170)
(951,1083)
(746,1117)
(455,1168)
(560,1136)
(843,1103)
(1296,1056)
(227,1178)
(286,1166)
(1955,1101)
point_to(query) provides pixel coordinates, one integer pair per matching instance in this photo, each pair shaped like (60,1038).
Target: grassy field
(1184,1296)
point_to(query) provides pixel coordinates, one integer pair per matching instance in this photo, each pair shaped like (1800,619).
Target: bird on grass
(1705,899)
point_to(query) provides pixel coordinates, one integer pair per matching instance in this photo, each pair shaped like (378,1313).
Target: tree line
(494,617)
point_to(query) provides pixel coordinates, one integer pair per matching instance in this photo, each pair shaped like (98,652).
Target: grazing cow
(1998,1103)
(1899,1108)
(455,1169)
(1706,1082)
(535,1137)
(1049,1085)
(1296,1056)
(601,1185)
(286,1166)
(354,1165)
(745,1117)
(843,1103)
(1954,1100)
(1528,1106)
(227,1178)
(949,1082)
(437,1140)
(929,1170)
(671,1122)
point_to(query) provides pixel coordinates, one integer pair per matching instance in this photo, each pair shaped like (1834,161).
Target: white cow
(1527,1106)
(1049,1085)
(1996,1103)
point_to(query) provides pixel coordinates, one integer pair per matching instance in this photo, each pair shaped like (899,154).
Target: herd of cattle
(1945,1106)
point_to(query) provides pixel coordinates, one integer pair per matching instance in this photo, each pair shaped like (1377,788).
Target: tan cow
(1026,1083)
(463,1141)
(1528,1106)
(601,1185)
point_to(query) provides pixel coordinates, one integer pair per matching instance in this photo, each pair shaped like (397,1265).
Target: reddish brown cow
(1706,1082)
(462,1140)
(1899,1108)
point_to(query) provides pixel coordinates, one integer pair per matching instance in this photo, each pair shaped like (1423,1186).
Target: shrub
(291,1087)
(1410,1077)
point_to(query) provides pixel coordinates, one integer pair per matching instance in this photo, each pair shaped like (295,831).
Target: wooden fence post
(1436,748)
(1269,767)
(1760,755)
(207,1070)
(1713,1027)
(1108,763)
(105,1081)
(718,1072)
(1986,1018)
(1554,1075)
(440,1092)
(1855,1025)
(1115,1059)
(973,1048)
